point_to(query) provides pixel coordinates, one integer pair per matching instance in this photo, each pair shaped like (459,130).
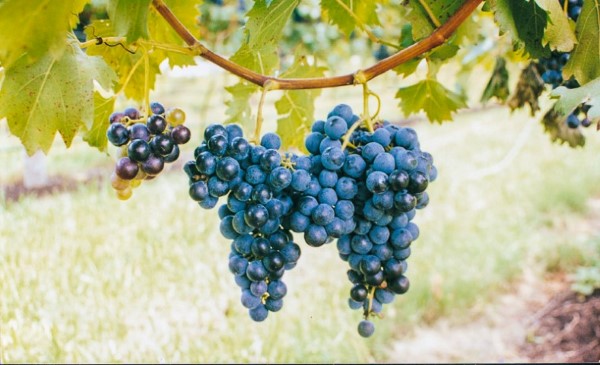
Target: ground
(540,320)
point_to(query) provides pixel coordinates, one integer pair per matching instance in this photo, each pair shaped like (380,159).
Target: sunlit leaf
(53,94)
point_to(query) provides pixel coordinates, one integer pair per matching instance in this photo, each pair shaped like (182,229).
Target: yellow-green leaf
(238,108)
(130,18)
(584,62)
(558,35)
(160,31)
(53,94)
(35,27)
(103,108)
(129,67)
(429,96)
(351,14)
(263,31)
(296,108)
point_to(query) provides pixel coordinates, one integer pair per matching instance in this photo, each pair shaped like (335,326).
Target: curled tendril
(100,40)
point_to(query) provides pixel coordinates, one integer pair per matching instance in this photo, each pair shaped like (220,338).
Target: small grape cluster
(377,181)
(146,144)
(256,181)
(551,71)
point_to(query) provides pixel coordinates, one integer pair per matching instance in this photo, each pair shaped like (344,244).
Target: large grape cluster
(256,182)
(360,186)
(146,144)
(378,181)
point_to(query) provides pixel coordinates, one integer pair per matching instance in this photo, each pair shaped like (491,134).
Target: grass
(87,278)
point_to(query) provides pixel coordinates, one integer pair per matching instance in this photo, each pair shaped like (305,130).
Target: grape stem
(348,134)
(370,299)
(436,38)
(366,114)
(270,85)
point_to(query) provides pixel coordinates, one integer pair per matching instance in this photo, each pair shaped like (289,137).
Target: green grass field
(85,277)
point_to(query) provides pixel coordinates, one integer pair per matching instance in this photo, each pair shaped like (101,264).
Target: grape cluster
(550,69)
(360,186)
(146,144)
(256,181)
(373,186)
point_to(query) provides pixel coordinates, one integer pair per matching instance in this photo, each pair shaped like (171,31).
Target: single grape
(181,134)
(126,168)
(366,328)
(156,124)
(117,134)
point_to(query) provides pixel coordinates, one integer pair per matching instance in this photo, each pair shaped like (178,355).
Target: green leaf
(238,107)
(103,108)
(35,28)
(130,18)
(555,125)
(558,35)
(423,22)
(296,108)
(161,32)
(349,14)
(430,96)
(525,21)
(263,31)
(528,90)
(53,94)
(443,52)
(498,84)
(408,68)
(584,62)
(130,68)
(259,53)
(572,98)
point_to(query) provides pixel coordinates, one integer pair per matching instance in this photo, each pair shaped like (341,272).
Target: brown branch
(436,38)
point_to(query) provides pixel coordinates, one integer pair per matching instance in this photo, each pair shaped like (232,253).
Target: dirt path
(495,332)
(541,320)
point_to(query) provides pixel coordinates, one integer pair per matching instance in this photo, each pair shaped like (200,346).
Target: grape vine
(363,178)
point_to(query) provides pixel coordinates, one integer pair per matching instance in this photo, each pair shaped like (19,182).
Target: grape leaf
(414,12)
(525,21)
(558,35)
(347,14)
(430,96)
(130,18)
(103,108)
(498,84)
(35,28)
(529,88)
(571,98)
(258,52)
(555,125)
(584,62)
(53,94)
(263,30)
(160,31)
(407,68)
(296,108)
(238,107)
(128,67)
